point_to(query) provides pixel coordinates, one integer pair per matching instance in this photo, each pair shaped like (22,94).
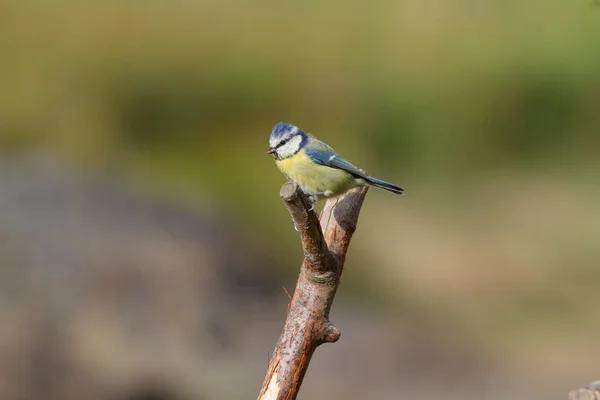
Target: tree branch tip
(288,191)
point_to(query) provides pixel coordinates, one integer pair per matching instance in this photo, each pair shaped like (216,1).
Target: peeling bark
(325,241)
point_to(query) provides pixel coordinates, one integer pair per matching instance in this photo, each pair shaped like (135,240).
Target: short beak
(271,150)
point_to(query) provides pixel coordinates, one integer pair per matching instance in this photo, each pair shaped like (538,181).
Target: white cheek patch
(290,148)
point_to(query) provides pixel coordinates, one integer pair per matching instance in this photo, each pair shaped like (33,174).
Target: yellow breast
(315,178)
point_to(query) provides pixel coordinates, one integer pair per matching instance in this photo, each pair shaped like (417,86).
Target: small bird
(315,167)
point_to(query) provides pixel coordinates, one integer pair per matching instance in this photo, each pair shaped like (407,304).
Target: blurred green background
(485,112)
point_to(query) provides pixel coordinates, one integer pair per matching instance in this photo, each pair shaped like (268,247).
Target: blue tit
(315,167)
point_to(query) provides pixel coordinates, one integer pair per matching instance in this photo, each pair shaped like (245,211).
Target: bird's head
(286,140)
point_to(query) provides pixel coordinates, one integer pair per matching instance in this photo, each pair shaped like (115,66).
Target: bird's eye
(282,142)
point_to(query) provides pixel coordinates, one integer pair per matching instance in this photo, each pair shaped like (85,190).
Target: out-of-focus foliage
(486,112)
(436,87)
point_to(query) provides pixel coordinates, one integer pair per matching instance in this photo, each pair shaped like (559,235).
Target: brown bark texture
(325,240)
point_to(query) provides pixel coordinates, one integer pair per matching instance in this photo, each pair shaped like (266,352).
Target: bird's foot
(313,198)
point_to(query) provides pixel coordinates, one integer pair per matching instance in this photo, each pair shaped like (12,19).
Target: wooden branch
(590,392)
(307,325)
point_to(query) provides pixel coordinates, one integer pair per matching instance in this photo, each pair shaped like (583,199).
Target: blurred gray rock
(101,286)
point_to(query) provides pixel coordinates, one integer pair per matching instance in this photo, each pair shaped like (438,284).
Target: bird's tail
(378,183)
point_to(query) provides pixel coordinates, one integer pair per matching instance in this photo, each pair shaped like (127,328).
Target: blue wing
(322,154)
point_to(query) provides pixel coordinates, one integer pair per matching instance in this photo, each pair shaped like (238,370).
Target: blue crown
(283,128)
